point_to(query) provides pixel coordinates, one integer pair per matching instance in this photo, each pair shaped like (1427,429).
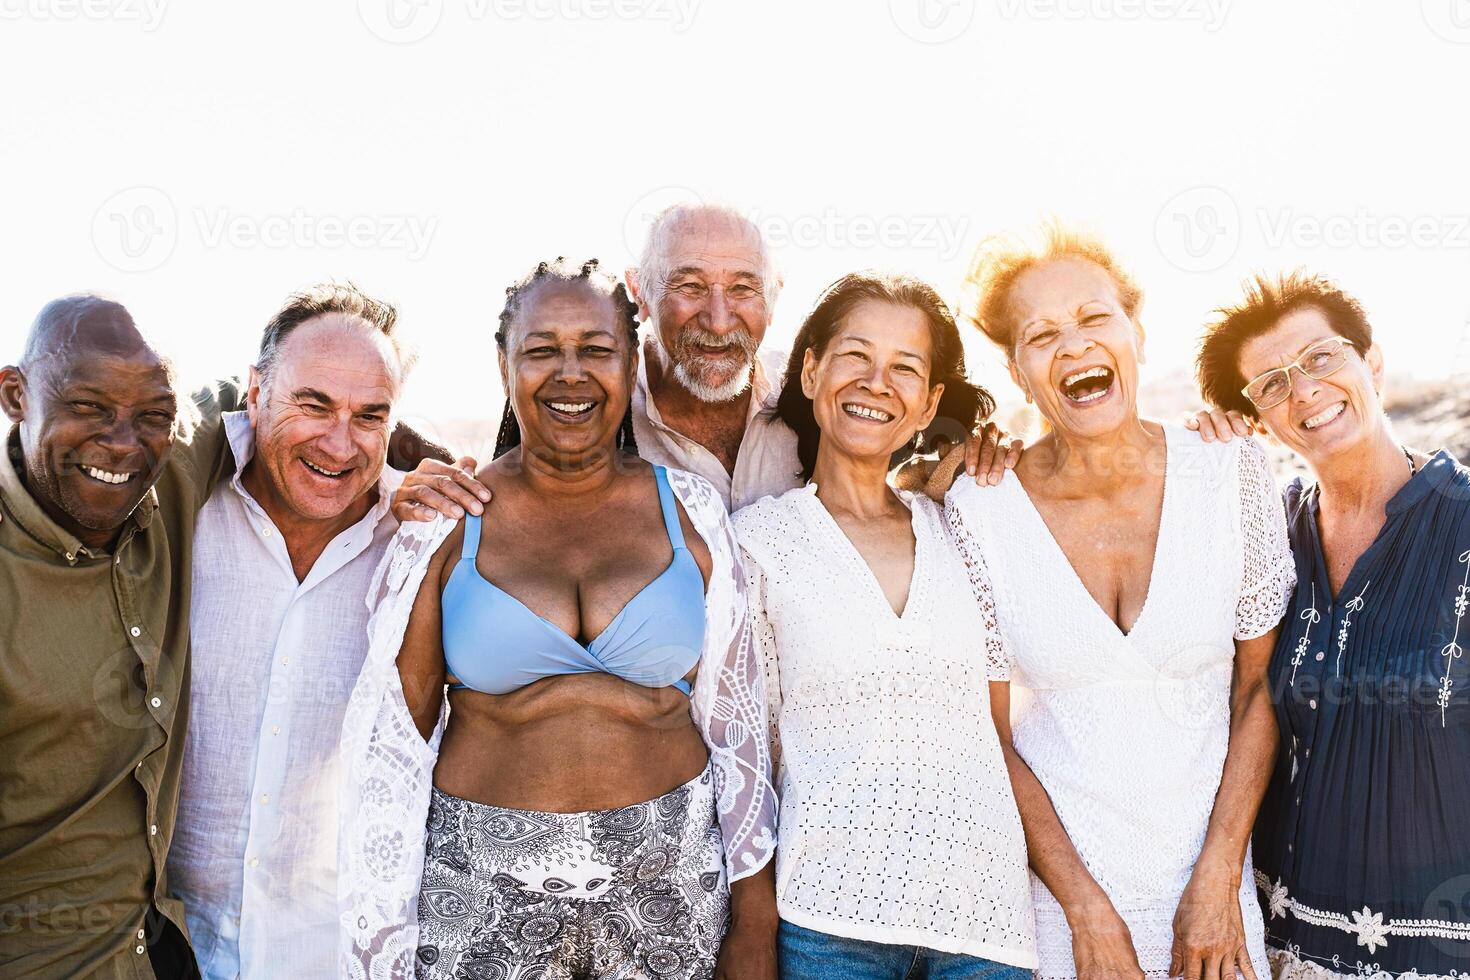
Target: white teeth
(863,412)
(1095,372)
(571,408)
(105,476)
(1323,417)
(323,472)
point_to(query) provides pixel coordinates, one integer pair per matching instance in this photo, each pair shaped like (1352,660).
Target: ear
(13,393)
(1016,377)
(1374,358)
(504,371)
(635,289)
(931,408)
(1138,332)
(252,397)
(808,373)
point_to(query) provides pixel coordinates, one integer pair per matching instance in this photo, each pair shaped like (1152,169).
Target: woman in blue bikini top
(568,620)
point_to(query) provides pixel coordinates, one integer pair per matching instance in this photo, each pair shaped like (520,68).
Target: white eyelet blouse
(1128,732)
(897,822)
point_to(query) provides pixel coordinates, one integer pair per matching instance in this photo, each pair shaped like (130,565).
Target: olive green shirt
(94,683)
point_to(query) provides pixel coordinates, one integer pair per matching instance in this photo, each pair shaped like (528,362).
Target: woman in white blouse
(1139,577)
(901,851)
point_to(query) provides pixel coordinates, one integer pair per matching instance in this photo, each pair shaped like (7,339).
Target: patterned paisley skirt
(635,892)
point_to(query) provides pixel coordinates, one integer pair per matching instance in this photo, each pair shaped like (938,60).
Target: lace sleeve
(387,773)
(728,705)
(765,644)
(1268,571)
(998,659)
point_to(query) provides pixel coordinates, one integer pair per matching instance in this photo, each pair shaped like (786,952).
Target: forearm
(1254,742)
(1052,855)
(753,899)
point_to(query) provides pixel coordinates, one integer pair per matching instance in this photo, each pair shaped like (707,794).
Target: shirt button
(255,862)
(140,950)
(70,556)
(1312,704)
(275,729)
(1320,656)
(265,797)
(158,703)
(140,934)
(285,661)
(135,631)
(153,830)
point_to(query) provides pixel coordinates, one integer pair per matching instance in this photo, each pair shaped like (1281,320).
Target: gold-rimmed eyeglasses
(1317,362)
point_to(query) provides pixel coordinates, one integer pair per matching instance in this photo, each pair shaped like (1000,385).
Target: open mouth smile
(1087,386)
(1324,417)
(867,414)
(570,410)
(322,471)
(105,476)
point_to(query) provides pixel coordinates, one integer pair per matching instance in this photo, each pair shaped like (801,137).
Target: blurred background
(198,161)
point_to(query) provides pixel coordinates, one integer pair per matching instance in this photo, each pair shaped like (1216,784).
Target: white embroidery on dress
(1369,927)
(1452,650)
(1354,604)
(1312,617)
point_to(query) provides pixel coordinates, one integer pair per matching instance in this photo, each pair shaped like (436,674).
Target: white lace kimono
(387,767)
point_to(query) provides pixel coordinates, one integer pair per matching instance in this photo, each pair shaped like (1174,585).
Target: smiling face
(1075,349)
(870,387)
(568,367)
(712,311)
(322,418)
(96,427)
(1321,418)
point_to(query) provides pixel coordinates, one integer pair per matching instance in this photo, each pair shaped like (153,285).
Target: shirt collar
(37,523)
(1430,477)
(240,434)
(761,389)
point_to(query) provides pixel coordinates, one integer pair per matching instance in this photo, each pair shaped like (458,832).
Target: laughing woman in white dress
(901,851)
(1139,578)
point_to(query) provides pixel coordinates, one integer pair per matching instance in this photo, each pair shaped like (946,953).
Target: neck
(681,410)
(1363,478)
(305,537)
(554,475)
(853,485)
(1112,460)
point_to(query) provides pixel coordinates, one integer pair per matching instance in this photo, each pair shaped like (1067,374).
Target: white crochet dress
(897,820)
(1128,732)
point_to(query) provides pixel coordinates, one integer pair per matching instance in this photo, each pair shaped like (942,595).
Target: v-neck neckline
(865,571)
(1066,560)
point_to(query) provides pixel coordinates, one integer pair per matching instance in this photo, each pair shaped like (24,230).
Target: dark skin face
(96,422)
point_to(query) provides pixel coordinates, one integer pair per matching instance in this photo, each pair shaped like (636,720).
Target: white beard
(727,392)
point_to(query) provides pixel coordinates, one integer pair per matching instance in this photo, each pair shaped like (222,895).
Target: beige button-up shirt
(766,465)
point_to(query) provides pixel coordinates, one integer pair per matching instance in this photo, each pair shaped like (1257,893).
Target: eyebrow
(1331,336)
(695,270)
(87,389)
(597,332)
(312,394)
(903,353)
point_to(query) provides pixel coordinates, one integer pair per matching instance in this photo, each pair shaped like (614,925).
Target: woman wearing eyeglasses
(1362,846)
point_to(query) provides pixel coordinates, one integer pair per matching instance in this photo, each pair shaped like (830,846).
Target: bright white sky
(200,160)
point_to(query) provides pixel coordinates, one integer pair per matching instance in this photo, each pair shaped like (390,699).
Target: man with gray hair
(706,288)
(283,555)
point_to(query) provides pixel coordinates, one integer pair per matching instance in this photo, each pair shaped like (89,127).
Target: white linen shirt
(766,465)
(274,661)
(897,820)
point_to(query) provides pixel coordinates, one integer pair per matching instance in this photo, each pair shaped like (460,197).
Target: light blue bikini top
(494,644)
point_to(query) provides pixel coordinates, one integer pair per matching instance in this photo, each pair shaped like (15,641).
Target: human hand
(1213,424)
(439,488)
(1102,947)
(989,453)
(1209,932)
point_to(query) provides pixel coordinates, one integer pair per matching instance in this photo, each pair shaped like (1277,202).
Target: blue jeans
(804,954)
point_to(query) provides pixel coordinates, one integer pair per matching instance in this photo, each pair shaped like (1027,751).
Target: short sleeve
(764,635)
(998,660)
(1268,571)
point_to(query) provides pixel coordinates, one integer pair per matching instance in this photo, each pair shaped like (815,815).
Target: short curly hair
(1002,259)
(1267,300)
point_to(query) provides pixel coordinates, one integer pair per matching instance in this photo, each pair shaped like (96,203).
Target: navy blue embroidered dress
(1362,849)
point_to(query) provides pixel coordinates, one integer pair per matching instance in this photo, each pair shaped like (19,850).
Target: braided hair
(564,271)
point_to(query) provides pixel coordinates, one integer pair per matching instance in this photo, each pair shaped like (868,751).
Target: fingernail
(458,511)
(485,495)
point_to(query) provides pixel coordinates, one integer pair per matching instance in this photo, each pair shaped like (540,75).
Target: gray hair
(321,300)
(653,264)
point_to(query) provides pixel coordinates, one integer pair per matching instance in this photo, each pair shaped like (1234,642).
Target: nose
(121,438)
(569,368)
(1303,386)
(336,441)
(1074,342)
(718,315)
(875,379)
